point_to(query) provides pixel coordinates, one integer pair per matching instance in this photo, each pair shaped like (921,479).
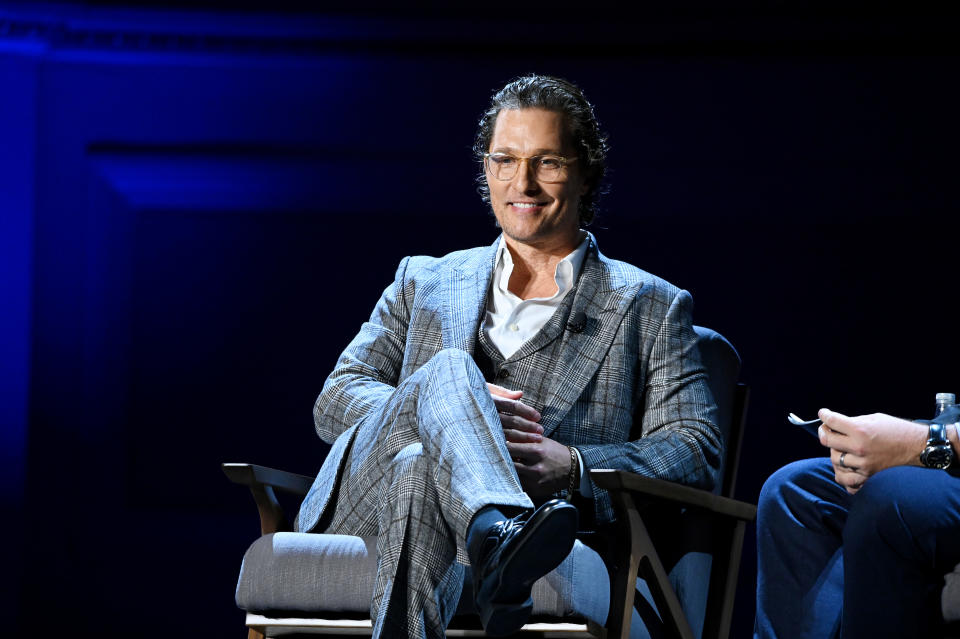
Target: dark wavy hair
(561,96)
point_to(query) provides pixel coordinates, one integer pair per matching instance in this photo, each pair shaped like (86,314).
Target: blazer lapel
(598,307)
(464,293)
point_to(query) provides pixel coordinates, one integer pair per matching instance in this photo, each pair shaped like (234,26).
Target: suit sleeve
(368,370)
(680,440)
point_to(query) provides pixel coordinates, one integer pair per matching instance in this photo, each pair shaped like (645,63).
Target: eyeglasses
(547,168)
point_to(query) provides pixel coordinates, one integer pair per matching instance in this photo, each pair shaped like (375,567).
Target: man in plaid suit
(495,377)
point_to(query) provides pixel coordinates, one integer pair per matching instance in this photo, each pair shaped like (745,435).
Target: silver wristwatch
(939,452)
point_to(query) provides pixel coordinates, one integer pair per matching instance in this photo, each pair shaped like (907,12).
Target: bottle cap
(946,398)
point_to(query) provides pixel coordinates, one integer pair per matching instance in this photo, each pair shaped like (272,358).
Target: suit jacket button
(503,374)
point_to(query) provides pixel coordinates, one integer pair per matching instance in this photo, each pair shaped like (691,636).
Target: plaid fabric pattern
(417,471)
(650,412)
(628,390)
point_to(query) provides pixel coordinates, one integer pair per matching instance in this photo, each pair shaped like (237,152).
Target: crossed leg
(417,472)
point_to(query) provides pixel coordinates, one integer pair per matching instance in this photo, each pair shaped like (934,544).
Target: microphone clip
(577,323)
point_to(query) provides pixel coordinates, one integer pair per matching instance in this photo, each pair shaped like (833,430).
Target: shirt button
(514,328)
(503,374)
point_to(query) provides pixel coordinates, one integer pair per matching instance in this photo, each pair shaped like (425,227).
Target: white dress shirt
(511,321)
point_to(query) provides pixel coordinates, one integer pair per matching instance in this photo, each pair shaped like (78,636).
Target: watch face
(937,456)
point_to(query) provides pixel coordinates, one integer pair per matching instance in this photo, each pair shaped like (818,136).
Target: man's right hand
(520,421)
(869,444)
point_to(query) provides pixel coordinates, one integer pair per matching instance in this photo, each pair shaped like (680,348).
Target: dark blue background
(198,207)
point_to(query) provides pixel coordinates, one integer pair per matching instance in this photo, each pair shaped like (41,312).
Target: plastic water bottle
(943,401)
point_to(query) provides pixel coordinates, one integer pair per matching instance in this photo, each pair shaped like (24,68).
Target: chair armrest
(625,481)
(250,474)
(262,481)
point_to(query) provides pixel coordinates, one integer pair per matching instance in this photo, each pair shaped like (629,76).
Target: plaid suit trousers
(418,470)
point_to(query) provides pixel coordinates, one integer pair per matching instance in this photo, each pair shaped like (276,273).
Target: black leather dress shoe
(516,553)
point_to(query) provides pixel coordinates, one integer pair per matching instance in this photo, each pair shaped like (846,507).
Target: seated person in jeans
(857,544)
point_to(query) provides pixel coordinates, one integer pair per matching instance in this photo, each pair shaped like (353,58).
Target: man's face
(531,211)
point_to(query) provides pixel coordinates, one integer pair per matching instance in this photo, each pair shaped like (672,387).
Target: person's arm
(953,436)
(680,438)
(871,443)
(369,368)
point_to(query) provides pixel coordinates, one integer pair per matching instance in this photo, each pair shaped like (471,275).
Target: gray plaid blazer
(628,390)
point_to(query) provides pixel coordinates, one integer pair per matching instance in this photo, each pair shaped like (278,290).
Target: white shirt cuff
(586,487)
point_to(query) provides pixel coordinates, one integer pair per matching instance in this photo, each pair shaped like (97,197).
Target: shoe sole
(507,614)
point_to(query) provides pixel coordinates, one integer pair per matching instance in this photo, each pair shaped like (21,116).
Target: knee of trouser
(454,369)
(881,510)
(452,358)
(787,488)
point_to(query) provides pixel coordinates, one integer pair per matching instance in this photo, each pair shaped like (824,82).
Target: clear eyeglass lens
(548,168)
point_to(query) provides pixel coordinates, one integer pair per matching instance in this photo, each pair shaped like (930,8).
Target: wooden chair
(640,502)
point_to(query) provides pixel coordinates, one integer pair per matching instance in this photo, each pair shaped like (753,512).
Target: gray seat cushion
(950,598)
(308,573)
(315,573)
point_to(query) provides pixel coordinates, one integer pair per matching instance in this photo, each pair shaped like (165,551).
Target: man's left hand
(543,467)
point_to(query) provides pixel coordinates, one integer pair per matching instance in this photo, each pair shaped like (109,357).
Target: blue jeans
(832,564)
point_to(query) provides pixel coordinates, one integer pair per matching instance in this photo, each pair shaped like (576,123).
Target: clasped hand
(867,444)
(542,464)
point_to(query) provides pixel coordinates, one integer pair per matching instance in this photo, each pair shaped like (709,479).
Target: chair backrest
(722,362)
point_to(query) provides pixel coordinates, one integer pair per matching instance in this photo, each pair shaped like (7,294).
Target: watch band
(937,434)
(938,452)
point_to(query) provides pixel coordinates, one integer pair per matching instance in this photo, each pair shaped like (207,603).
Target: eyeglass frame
(564,161)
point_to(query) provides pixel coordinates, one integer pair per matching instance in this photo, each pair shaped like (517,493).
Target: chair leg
(255,634)
(623,590)
(643,557)
(723,581)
